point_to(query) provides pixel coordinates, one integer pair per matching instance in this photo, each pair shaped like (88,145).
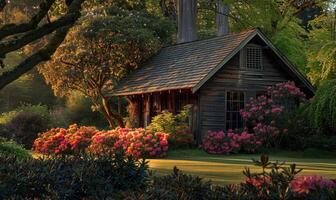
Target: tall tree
(15,36)
(102,49)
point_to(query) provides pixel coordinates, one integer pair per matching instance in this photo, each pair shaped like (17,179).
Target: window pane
(254,58)
(233,106)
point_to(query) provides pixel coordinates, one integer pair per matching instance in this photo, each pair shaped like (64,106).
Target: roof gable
(190,65)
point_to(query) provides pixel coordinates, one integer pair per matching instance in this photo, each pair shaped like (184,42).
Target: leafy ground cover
(227,169)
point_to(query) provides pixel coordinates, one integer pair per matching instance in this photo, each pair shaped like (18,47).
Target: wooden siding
(231,77)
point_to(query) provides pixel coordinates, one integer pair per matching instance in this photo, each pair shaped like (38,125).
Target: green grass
(226,169)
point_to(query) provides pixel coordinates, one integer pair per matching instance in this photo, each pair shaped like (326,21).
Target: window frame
(244,57)
(226,107)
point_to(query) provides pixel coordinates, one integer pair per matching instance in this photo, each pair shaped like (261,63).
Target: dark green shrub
(321,142)
(11,148)
(81,177)
(25,127)
(4,131)
(41,110)
(175,186)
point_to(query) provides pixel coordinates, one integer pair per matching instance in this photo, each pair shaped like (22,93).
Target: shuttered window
(235,101)
(251,57)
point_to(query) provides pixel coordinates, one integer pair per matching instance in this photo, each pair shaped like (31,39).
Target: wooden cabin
(216,76)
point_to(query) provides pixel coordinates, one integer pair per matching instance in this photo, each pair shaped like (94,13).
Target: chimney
(187,12)
(222,22)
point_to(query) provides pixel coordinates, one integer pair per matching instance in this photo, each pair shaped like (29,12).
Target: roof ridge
(211,38)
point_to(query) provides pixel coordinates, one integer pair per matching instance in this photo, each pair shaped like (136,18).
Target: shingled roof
(184,66)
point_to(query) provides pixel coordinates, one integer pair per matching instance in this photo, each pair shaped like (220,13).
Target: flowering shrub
(265,113)
(305,184)
(142,143)
(103,142)
(223,143)
(276,181)
(182,138)
(65,141)
(134,142)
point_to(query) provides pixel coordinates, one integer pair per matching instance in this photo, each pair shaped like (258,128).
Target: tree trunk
(187,13)
(110,115)
(222,18)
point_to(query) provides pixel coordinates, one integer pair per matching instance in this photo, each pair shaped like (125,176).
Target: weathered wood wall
(231,77)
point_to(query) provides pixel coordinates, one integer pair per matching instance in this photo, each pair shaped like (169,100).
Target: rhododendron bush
(133,142)
(73,140)
(264,114)
(303,185)
(278,181)
(224,143)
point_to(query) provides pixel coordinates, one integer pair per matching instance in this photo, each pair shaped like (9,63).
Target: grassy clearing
(226,169)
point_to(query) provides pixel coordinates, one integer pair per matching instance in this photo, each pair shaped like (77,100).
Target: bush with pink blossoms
(276,180)
(265,115)
(103,142)
(138,143)
(304,185)
(56,141)
(219,142)
(142,143)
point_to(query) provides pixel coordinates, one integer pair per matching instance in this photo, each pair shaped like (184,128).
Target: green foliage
(41,110)
(164,122)
(176,126)
(289,39)
(11,148)
(322,48)
(175,186)
(70,177)
(322,109)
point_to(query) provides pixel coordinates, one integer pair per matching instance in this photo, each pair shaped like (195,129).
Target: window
(253,58)
(235,101)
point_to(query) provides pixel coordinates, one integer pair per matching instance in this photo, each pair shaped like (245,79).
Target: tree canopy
(102,48)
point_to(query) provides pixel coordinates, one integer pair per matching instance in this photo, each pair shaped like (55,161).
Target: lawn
(226,169)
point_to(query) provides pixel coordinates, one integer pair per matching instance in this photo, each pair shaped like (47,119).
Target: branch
(12,29)
(12,45)
(46,52)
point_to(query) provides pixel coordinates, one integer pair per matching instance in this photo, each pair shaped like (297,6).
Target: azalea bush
(278,181)
(137,143)
(73,140)
(266,114)
(219,142)
(183,138)
(133,142)
(305,185)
